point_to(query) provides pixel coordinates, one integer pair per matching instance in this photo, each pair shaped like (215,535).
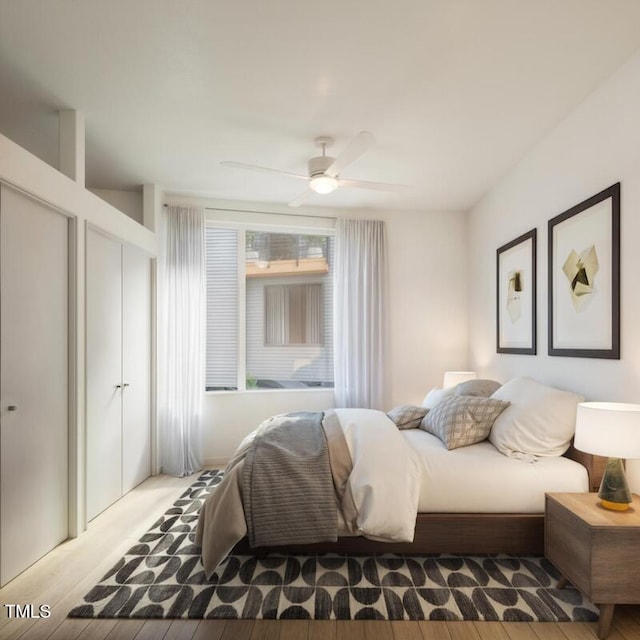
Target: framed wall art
(584,278)
(516,295)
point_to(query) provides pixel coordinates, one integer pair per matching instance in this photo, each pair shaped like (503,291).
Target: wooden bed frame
(466,533)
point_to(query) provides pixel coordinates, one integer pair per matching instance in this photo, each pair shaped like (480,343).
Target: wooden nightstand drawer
(595,549)
(567,543)
(615,577)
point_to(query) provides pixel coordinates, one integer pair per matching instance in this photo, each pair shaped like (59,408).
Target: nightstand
(595,549)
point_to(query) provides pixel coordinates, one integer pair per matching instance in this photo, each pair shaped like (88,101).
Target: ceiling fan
(324,171)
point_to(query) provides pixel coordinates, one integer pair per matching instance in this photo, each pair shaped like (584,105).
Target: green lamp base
(614,491)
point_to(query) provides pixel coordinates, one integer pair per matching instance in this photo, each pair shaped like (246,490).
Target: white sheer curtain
(359,279)
(181,340)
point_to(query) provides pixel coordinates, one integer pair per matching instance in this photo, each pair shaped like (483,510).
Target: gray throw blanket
(287,487)
(306,508)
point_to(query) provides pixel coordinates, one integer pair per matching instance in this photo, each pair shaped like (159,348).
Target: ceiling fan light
(323,184)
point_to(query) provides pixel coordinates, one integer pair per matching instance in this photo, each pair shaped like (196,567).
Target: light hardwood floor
(62,577)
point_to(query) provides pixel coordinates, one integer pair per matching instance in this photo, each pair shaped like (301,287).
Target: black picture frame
(584,287)
(516,295)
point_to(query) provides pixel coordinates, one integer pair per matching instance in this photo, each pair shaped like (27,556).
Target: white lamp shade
(609,429)
(452,378)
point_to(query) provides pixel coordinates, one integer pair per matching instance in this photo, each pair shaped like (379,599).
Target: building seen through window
(275,306)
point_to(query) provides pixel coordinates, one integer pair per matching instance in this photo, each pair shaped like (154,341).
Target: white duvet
(398,473)
(385,479)
(480,479)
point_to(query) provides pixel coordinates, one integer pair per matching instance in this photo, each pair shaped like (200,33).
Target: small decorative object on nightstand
(452,378)
(610,429)
(594,549)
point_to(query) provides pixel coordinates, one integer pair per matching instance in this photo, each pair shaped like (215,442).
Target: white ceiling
(455,91)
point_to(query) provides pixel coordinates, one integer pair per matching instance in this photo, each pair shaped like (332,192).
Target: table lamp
(452,378)
(610,429)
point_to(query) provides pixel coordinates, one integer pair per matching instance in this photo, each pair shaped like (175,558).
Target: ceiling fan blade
(255,167)
(375,186)
(301,198)
(352,152)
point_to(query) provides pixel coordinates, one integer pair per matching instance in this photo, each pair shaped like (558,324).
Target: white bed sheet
(480,479)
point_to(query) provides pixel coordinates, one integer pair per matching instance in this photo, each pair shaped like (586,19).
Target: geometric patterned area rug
(162,577)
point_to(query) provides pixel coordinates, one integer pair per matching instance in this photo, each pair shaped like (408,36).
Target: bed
(482,498)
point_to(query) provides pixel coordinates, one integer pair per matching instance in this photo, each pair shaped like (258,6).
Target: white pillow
(540,421)
(435,396)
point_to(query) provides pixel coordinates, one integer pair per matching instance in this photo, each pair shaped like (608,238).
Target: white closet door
(34,423)
(136,367)
(104,372)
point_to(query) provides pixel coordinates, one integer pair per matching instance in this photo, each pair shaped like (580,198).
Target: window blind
(222,308)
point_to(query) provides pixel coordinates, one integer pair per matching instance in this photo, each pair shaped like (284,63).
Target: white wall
(428,326)
(596,146)
(231,415)
(427,300)
(129,202)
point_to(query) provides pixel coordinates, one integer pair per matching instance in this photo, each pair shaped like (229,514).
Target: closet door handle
(126,384)
(118,386)
(12,407)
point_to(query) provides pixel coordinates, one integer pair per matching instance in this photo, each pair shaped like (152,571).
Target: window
(269,309)
(293,314)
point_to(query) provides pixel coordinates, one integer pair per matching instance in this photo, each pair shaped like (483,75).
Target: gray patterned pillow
(480,387)
(407,416)
(463,420)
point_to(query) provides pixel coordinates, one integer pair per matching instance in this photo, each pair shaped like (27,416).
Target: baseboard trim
(216,463)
